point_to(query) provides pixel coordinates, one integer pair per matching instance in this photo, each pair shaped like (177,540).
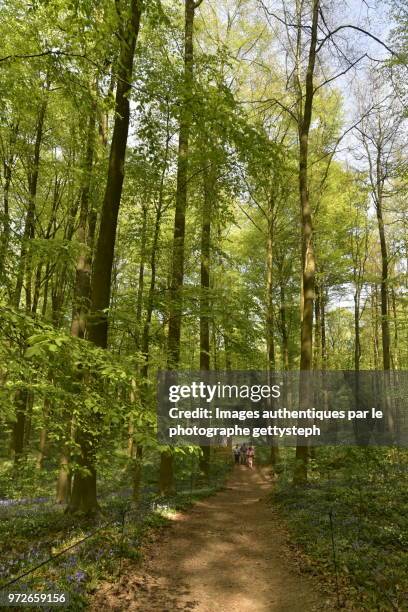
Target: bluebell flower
(80,576)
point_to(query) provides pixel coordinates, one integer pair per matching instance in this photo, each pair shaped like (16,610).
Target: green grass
(32,532)
(366,494)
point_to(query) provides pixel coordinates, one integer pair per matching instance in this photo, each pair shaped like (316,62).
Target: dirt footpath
(227,554)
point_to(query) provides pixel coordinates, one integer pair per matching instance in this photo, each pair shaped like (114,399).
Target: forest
(196,185)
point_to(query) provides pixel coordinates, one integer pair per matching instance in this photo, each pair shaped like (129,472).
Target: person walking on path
(250,454)
(243,454)
(237,453)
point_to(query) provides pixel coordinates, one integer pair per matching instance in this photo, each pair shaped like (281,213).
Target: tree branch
(358,29)
(28,56)
(345,71)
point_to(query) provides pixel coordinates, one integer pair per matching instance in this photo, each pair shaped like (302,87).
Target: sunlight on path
(228,554)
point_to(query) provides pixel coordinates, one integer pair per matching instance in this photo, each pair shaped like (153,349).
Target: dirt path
(227,554)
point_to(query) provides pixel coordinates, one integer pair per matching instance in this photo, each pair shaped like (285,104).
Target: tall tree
(308,257)
(380,137)
(166,481)
(209,182)
(84,497)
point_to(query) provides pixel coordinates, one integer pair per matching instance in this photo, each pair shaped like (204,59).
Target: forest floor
(228,553)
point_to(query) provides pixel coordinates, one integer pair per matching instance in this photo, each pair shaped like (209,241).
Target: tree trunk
(29,226)
(104,253)
(177,271)
(23,267)
(137,473)
(63,494)
(21,402)
(43,435)
(323,302)
(205,302)
(42,448)
(385,325)
(153,261)
(308,258)
(357,341)
(140,284)
(84,496)
(135,451)
(227,350)
(270,342)
(150,297)
(28,419)
(152,287)
(85,236)
(317,354)
(205,305)
(8,162)
(82,290)
(395,321)
(374,317)
(284,327)
(166,479)
(138,322)
(64,482)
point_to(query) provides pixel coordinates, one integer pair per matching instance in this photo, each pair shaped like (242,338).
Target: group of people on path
(244,455)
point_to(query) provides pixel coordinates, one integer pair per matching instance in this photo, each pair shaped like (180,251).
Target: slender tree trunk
(140,285)
(42,448)
(136,469)
(5,238)
(145,342)
(150,297)
(395,320)
(43,436)
(205,302)
(358,276)
(45,291)
(166,476)
(215,345)
(227,349)
(317,357)
(324,300)
(177,271)
(308,258)
(49,233)
(7,173)
(29,226)
(28,419)
(385,324)
(284,326)
(21,402)
(270,340)
(357,341)
(374,317)
(24,267)
(85,236)
(135,451)
(205,305)
(137,473)
(37,288)
(153,262)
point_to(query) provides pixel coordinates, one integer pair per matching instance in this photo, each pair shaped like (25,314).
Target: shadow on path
(227,554)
